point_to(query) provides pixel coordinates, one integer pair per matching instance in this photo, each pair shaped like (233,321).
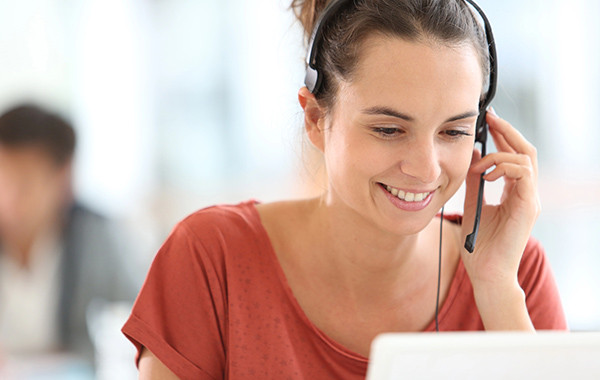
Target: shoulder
(81,210)
(215,233)
(90,230)
(534,254)
(537,280)
(80,216)
(87,232)
(226,221)
(213,262)
(542,296)
(534,263)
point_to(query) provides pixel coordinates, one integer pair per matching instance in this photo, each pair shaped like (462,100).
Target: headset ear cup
(311,79)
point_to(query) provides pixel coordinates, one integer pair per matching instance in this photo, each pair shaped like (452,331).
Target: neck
(19,249)
(362,257)
(19,245)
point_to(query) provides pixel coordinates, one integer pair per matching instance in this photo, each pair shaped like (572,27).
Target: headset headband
(314,78)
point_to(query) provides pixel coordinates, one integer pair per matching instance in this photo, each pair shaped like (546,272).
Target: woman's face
(399,139)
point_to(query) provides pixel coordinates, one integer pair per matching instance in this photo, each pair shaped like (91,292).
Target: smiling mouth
(405,195)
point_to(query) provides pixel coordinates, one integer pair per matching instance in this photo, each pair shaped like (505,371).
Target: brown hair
(444,21)
(31,126)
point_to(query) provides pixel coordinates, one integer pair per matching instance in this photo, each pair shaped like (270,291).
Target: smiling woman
(299,289)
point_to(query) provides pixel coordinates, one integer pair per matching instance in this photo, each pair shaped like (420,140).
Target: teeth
(405,196)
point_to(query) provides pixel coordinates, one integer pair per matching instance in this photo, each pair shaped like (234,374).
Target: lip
(408,206)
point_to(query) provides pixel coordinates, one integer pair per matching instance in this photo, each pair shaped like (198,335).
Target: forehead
(25,160)
(392,69)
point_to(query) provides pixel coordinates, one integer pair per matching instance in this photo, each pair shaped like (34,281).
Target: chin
(404,223)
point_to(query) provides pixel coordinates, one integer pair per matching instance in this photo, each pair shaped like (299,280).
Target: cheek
(349,158)
(458,161)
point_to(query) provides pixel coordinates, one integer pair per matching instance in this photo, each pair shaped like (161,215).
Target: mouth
(407,200)
(406,196)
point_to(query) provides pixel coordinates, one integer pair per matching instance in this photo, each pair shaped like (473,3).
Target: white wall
(180,104)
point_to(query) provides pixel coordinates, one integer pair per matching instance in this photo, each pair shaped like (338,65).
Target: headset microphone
(481,127)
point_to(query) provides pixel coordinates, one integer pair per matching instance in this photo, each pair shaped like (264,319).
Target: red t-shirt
(216,305)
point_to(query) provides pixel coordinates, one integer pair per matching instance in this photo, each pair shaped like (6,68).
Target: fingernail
(492,111)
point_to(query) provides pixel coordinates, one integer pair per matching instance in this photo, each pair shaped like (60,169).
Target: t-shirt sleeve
(179,314)
(538,283)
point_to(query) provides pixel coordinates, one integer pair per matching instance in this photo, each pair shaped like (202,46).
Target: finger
(500,142)
(513,138)
(511,171)
(501,157)
(518,183)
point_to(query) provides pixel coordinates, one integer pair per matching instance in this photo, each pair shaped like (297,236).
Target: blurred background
(182,104)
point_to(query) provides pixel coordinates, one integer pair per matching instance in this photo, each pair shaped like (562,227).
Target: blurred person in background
(56,255)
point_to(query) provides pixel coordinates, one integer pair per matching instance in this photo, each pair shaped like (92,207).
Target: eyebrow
(380,110)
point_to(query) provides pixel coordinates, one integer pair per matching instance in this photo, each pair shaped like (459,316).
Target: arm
(539,291)
(503,308)
(505,228)
(152,368)
(179,314)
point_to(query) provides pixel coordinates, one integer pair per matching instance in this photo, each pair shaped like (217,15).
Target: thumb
(471,190)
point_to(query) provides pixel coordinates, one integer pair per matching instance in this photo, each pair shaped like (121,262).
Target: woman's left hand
(505,228)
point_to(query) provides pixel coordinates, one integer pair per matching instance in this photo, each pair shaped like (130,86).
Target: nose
(421,161)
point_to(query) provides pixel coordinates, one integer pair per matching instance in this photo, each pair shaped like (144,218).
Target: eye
(387,132)
(456,133)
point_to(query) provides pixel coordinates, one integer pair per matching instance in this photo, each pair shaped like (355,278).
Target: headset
(314,81)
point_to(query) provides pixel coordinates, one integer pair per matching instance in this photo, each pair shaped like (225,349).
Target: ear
(314,118)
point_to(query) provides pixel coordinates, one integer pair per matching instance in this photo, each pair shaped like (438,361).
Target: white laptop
(486,355)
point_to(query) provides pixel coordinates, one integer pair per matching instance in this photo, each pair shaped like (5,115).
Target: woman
(299,289)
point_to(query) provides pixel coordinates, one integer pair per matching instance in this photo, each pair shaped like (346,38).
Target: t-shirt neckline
(455,285)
